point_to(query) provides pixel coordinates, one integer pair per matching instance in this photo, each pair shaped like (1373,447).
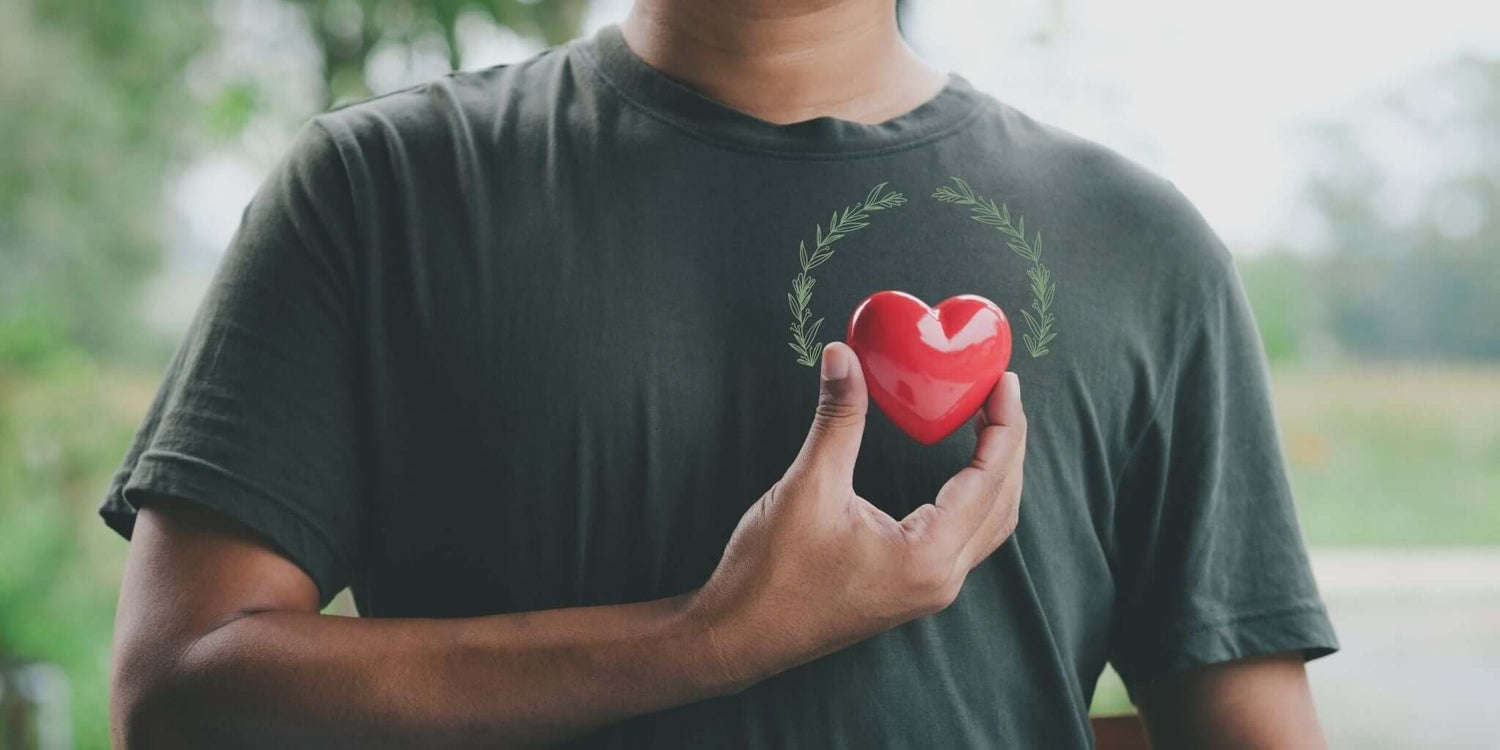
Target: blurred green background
(1383,328)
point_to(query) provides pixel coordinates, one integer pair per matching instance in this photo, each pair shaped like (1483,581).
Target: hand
(812,567)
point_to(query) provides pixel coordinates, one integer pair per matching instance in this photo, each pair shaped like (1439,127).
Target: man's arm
(1257,703)
(219,642)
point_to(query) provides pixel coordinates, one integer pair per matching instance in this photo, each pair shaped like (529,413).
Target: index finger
(1002,409)
(966,499)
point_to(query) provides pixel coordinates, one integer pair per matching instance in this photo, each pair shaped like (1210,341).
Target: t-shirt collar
(678,104)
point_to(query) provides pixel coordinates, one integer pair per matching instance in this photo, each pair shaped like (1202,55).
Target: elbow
(147,716)
(151,704)
(148,719)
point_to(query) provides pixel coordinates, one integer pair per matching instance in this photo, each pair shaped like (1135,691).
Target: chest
(621,367)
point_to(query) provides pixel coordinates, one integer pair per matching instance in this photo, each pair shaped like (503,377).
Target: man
(525,357)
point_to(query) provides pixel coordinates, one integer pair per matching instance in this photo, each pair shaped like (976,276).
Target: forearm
(292,679)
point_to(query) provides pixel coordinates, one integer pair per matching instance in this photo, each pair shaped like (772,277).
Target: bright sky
(1208,94)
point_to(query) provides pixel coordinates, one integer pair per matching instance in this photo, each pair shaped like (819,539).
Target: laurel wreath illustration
(1039,319)
(854,218)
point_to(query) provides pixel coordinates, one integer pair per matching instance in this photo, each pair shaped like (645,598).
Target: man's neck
(786,60)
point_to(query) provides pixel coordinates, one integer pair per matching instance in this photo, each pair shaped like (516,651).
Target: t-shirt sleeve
(1212,566)
(257,416)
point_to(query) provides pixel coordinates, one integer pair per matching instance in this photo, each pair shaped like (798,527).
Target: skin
(786,60)
(219,641)
(1259,702)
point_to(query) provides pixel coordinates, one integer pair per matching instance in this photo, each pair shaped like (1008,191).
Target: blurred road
(1420,664)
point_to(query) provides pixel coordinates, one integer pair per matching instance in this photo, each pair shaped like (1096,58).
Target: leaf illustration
(1030,321)
(984,211)
(852,218)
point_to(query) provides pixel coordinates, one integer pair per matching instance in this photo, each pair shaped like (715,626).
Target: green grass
(1109,695)
(1383,455)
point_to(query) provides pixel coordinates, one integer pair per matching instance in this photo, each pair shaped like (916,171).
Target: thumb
(832,443)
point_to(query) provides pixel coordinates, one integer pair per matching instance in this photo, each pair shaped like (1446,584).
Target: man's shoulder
(508,95)
(1146,217)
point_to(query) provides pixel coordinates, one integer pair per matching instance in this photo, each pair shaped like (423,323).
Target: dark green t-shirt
(536,336)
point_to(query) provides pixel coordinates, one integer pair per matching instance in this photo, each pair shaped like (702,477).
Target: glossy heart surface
(929,369)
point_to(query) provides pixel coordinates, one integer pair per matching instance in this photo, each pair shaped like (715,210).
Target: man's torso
(586,358)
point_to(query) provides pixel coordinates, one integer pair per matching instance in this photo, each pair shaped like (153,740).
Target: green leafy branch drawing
(804,334)
(1039,318)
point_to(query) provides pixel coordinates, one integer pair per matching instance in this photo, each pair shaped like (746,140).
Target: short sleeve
(1211,562)
(258,416)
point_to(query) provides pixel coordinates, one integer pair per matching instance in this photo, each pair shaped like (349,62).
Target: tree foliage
(348,31)
(1413,248)
(102,112)
(88,93)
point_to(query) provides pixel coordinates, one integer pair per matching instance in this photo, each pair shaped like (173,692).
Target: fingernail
(834,367)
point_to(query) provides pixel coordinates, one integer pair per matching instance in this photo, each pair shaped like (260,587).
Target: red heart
(929,369)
